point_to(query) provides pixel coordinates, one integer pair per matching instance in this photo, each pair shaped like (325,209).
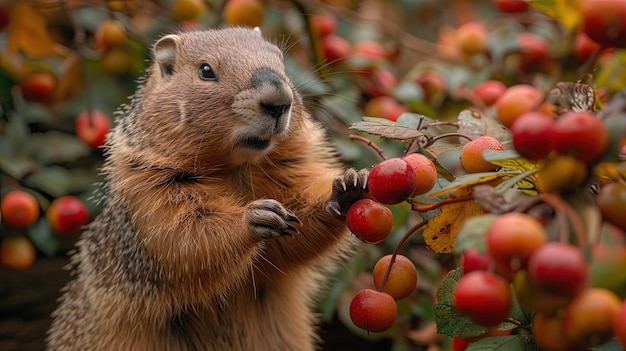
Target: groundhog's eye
(206,72)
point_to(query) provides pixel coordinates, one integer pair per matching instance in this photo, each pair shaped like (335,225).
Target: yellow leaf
(468,180)
(441,230)
(27,32)
(569,13)
(510,160)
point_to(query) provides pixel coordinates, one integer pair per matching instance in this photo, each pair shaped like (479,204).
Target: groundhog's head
(221,95)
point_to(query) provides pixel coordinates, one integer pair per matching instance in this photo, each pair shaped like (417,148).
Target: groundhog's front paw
(346,190)
(268,219)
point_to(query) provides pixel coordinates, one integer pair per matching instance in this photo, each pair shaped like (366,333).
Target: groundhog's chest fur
(222,210)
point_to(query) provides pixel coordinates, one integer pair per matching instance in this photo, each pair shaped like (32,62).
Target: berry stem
(446,135)
(561,206)
(406,236)
(415,204)
(370,144)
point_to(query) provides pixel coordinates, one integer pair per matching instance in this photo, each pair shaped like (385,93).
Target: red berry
(373,310)
(66,215)
(604,21)
(533,135)
(92,127)
(580,134)
(489,91)
(369,220)
(512,5)
(484,297)
(392,181)
(474,260)
(559,268)
(19,209)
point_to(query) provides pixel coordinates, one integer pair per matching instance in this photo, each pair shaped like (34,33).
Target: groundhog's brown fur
(207,178)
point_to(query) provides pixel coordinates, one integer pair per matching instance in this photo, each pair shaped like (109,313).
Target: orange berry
(19,209)
(17,253)
(402,278)
(110,34)
(517,100)
(246,13)
(472,154)
(425,171)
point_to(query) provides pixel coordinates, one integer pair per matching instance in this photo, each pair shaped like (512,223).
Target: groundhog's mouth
(256,143)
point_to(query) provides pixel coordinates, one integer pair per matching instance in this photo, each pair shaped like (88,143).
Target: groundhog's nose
(275,95)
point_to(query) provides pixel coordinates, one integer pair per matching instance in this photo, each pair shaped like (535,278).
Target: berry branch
(370,144)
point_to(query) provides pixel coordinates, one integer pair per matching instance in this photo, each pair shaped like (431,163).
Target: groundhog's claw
(346,190)
(268,219)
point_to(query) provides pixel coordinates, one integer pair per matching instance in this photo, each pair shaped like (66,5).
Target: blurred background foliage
(60,59)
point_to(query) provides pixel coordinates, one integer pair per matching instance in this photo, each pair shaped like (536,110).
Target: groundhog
(223,209)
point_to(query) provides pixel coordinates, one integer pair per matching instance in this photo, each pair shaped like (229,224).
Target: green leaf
(56,147)
(472,233)
(54,180)
(386,129)
(17,167)
(445,293)
(43,238)
(503,343)
(453,323)
(17,133)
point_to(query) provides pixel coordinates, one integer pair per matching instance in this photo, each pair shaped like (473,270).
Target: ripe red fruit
(110,34)
(559,268)
(534,48)
(533,135)
(580,134)
(512,5)
(472,154)
(39,87)
(402,278)
(489,91)
(370,50)
(392,181)
(66,215)
(433,84)
(373,310)
(604,21)
(369,220)
(324,24)
(459,344)
(92,127)
(584,47)
(19,209)
(473,260)
(484,297)
(335,48)
(385,107)
(513,238)
(17,253)
(425,171)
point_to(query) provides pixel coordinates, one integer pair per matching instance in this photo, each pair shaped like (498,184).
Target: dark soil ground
(28,297)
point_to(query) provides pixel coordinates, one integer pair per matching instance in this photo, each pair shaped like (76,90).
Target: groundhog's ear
(165,53)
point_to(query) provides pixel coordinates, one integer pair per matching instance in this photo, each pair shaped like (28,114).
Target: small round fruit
(335,48)
(580,134)
(110,34)
(533,299)
(187,10)
(604,21)
(246,13)
(588,319)
(489,91)
(584,47)
(92,127)
(534,48)
(39,87)
(561,173)
(533,135)
(402,277)
(611,201)
(17,253)
(324,24)
(373,311)
(66,215)
(619,325)
(548,333)
(370,50)
(19,209)
(392,181)
(433,84)
(559,268)
(472,154)
(369,220)
(459,344)
(472,37)
(425,171)
(513,238)
(473,260)
(385,107)
(516,101)
(484,297)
